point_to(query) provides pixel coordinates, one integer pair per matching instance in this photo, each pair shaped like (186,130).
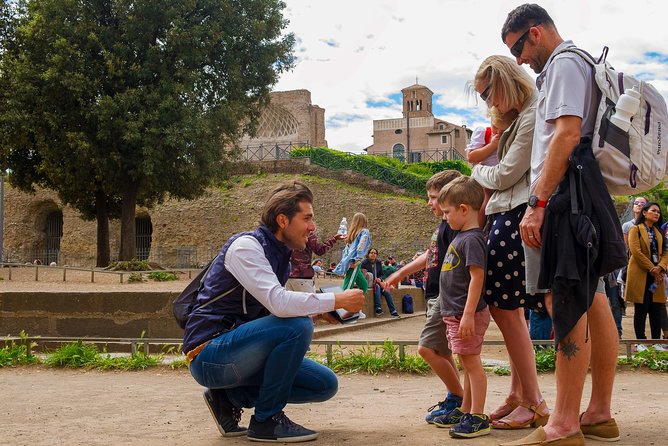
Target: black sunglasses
(518,47)
(485,94)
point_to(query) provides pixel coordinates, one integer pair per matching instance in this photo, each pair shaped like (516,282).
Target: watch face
(533,201)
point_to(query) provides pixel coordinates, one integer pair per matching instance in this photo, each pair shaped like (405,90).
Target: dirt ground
(43,406)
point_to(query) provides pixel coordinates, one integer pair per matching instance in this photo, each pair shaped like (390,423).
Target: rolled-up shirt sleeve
(246,261)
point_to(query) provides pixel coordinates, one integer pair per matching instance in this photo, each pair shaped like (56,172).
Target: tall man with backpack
(247,347)
(566,183)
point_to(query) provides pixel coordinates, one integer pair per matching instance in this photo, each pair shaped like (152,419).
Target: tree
(132,100)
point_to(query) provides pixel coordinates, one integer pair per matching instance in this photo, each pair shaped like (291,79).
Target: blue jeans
(540,325)
(261,364)
(377,291)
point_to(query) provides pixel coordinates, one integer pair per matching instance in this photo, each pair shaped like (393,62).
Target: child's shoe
(471,425)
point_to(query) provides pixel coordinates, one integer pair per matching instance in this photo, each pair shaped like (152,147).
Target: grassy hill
(399,225)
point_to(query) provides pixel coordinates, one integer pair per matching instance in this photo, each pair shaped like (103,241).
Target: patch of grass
(161,276)
(178,364)
(74,354)
(650,358)
(136,361)
(545,360)
(374,360)
(501,370)
(20,353)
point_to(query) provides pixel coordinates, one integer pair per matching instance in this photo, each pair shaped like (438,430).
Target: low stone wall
(107,314)
(115,314)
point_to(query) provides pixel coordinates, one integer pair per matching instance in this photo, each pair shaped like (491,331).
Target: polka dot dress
(504,284)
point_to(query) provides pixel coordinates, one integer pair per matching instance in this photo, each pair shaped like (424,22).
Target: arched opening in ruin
(143,237)
(53,233)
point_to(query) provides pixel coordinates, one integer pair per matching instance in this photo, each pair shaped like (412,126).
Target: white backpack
(635,161)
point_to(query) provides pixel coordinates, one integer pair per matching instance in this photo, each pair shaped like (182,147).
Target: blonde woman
(508,90)
(358,242)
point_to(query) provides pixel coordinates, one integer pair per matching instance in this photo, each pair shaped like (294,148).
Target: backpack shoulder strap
(201,284)
(585,55)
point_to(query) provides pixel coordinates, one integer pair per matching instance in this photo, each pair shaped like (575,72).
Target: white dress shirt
(246,261)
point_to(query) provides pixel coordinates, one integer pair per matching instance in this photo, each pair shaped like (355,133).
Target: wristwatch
(535,202)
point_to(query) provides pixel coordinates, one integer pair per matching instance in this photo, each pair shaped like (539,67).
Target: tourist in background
(647,267)
(302,273)
(374,267)
(358,242)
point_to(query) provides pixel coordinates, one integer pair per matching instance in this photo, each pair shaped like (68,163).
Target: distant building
(419,135)
(290,120)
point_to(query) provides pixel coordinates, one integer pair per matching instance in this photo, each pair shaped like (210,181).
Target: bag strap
(201,284)
(352,277)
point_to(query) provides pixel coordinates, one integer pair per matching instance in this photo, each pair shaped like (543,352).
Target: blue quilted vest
(239,306)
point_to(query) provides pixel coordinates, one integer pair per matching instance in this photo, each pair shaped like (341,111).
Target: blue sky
(356,56)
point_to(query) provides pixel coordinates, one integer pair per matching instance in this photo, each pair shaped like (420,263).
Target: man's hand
(350,300)
(466,326)
(329,318)
(530,227)
(340,236)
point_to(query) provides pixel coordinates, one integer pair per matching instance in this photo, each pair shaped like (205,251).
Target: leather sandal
(538,437)
(606,430)
(541,415)
(509,403)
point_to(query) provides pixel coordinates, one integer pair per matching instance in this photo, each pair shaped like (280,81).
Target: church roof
(417,87)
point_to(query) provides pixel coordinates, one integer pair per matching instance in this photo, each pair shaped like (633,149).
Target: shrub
(130,265)
(135,277)
(411,177)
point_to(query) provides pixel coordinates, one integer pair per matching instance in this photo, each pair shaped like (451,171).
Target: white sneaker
(362,315)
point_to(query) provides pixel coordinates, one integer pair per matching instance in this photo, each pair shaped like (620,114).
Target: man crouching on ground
(247,347)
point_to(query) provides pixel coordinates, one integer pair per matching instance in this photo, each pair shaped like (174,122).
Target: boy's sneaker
(471,425)
(379,312)
(227,415)
(395,315)
(280,429)
(444,407)
(449,419)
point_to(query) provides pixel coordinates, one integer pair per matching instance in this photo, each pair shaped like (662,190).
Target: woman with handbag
(644,277)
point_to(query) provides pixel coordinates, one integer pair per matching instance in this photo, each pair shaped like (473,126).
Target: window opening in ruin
(444,139)
(143,235)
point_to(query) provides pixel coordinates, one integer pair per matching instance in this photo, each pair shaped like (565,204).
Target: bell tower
(417,101)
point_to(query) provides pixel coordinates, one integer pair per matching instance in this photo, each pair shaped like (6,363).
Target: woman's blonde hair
(501,120)
(505,78)
(358,223)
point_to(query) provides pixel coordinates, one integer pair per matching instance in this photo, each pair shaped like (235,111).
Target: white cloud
(351,52)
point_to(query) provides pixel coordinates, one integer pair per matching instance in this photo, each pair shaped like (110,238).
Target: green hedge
(411,177)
